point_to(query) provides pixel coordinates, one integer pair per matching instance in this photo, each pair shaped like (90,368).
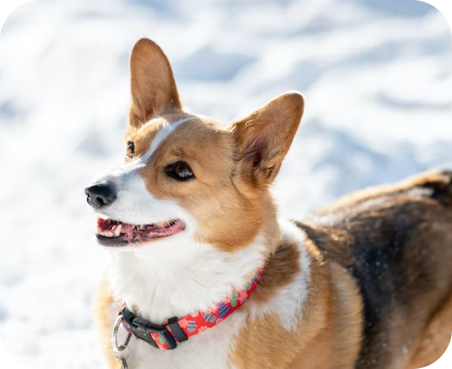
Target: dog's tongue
(128,231)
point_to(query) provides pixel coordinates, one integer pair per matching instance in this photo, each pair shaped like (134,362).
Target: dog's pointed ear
(153,86)
(264,137)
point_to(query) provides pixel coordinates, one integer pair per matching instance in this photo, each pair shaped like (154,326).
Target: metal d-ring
(122,352)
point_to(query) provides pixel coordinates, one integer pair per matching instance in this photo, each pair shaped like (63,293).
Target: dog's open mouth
(114,233)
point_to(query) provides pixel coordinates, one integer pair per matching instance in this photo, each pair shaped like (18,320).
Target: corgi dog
(204,274)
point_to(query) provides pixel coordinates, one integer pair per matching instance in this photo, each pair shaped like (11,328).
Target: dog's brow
(163,133)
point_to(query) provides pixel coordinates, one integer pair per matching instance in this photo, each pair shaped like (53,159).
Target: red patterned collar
(166,336)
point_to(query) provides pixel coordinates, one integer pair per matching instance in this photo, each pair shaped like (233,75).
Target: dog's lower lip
(111,242)
(114,233)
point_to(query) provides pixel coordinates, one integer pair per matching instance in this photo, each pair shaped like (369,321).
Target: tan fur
(152,83)
(327,335)
(435,340)
(280,270)
(265,136)
(104,322)
(142,137)
(228,227)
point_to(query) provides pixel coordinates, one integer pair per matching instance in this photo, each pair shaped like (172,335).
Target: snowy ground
(377,79)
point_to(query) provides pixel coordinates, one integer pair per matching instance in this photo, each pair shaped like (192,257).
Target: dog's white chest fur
(159,287)
(156,290)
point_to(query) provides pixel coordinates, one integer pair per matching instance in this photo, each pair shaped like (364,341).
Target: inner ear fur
(152,81)
(264,137)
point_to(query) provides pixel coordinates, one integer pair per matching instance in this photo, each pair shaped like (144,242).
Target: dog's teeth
(107,233)
(118,230)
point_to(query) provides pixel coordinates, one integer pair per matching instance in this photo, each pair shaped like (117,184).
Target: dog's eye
(180,171)
(130,149)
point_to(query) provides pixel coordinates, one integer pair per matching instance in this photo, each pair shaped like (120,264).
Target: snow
(377,81)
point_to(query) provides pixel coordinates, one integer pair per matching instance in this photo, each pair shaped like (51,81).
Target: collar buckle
(142,329)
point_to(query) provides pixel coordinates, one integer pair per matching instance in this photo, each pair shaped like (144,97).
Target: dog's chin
(113,233)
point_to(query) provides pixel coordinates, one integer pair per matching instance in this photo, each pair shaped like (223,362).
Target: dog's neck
(176,279)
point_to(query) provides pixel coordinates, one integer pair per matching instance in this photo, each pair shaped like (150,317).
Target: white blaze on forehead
(141,161)
(163,133)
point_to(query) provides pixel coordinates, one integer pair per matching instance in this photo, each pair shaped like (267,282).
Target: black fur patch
(398,247)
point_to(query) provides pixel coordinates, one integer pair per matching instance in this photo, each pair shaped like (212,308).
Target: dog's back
(397,243)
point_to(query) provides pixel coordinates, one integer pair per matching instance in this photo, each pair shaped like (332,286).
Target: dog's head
(187,177)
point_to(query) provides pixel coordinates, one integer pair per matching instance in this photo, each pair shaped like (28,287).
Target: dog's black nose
(100,194)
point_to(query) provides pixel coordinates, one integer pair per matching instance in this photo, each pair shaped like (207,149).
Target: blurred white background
(377,79)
